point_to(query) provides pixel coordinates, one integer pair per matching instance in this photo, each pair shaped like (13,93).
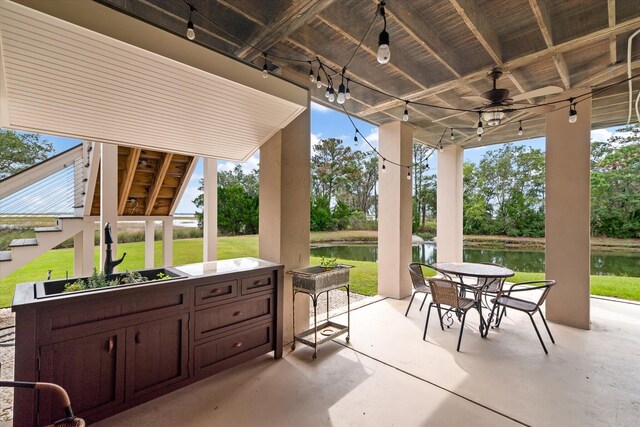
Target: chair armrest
(544,284)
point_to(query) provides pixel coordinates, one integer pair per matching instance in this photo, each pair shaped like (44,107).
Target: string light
(341,92)
(191,33)
(265,68)
(355,138)
(384,54)
(332,94)
(318,80)
(405,115)
(573,114)
(479,130)
(441,148)
(520,131)
(347,94)
(384,167)
(452,137)
(409,173)
(312,77)
(479,138)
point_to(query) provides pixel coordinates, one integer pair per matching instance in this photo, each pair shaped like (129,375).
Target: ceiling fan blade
(476,98)
(539,109)
(543,91)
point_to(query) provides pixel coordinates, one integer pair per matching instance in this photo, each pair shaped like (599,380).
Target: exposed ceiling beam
(408,18)
(157,183)
(289,21)
(480,27)
(543,17)
(184,183)
(127,179)
(611,11)
(522,61)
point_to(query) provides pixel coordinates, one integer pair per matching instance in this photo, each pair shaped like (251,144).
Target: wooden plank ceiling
(150,183)
(440,51)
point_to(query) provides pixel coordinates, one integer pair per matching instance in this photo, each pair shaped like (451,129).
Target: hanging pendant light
(384,54)
(191,33)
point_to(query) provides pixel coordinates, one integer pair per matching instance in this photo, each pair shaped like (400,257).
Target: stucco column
(285,187)
(210,219)
(394,211)
(167,242)
(567,220)
(109,198)
(449,202)
(149,243)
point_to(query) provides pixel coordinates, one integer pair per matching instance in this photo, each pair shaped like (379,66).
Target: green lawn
(364,278)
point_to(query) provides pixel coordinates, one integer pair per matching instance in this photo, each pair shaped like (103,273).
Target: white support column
(394,205)
(285,186)
(167,242)
(83,250)
(449,201)
(567,223)
(109,197)
(149,243)
(210,220)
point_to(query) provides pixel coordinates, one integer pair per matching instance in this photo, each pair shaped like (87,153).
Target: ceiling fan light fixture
(494,117)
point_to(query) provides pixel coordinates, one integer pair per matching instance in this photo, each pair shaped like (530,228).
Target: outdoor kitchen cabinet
(115,348)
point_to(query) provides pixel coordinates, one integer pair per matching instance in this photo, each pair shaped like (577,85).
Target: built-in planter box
(115,347)
(49,288)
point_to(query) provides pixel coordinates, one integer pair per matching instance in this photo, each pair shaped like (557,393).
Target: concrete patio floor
(389,376)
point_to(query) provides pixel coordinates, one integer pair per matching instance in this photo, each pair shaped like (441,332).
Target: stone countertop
(211,268)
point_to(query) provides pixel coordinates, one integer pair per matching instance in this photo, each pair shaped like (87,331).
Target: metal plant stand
(314,281)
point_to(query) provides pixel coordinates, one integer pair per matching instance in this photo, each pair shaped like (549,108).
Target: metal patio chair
(420,286)
(446,292)
(504,300)
(490,286)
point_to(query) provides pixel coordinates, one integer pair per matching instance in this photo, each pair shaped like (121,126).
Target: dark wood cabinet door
(157,355)
(90,369)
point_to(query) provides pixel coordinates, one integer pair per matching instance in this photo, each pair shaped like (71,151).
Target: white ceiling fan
(497,105)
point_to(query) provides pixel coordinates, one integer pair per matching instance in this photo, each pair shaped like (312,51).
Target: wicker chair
(420,286)
(504,300)
(446,292)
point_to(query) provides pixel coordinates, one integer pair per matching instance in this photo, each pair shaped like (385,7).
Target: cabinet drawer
(213,320)
(220,354)
(216,292)
(257,284)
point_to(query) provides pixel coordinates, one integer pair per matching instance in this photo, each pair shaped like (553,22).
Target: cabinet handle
(110,345)
(216,291)
(237,345)
(137,338)
(259,282)
(237,313)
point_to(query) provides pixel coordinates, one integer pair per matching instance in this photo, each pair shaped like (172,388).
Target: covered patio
(557,58)
(388,376)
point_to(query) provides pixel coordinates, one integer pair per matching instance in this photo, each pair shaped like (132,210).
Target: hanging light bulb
(326,92)
(441,148)
(426,166)
(479,138)
(480,130)
(405,115)
(341,93)
(452,137)
(355,139)
(332,94)
(312,77)
(384,167)
(573,114)
(318,80)
(384,54)
(347,93)
(191,34)
(265,68)
(520,131)
(409,173)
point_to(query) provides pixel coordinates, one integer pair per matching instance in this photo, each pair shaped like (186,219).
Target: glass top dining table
(478,271)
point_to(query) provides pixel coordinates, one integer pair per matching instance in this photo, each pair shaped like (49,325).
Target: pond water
(530,260)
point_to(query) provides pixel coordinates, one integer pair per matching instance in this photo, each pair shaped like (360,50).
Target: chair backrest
(547,284)
(534,285)
(445,292)
(492,284)
(417,276)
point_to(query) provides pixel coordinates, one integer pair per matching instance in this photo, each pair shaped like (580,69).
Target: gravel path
(7,336)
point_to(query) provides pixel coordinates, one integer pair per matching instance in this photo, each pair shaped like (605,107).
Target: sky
(325,123)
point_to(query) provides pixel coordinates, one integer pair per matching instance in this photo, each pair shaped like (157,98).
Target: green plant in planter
(78,285)
(328,262)
(97,280)
(132,277)
(162,276)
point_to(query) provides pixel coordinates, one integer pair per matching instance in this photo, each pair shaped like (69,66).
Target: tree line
(503,193)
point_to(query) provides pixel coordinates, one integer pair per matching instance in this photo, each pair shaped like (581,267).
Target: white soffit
(63,79)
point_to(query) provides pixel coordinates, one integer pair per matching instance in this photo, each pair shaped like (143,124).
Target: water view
(529,260)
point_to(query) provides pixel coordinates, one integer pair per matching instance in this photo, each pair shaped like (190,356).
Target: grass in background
(364,277)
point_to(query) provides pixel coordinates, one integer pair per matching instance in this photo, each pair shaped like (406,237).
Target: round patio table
(478,271)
